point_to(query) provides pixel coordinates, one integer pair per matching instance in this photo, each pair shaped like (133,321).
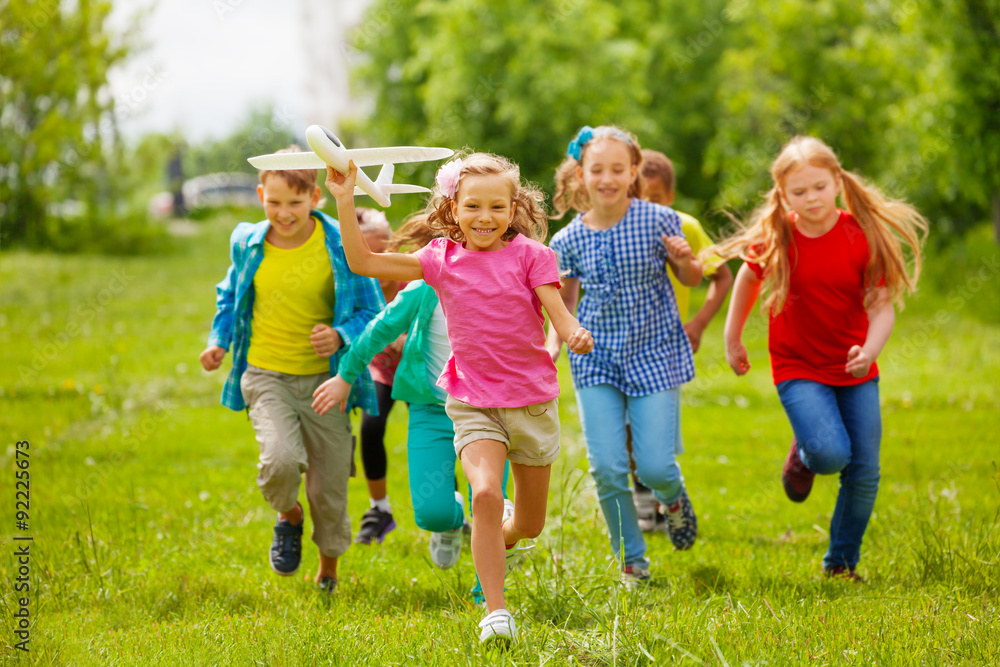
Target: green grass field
(150,536)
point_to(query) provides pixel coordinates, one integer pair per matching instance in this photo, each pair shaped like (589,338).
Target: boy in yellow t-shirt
(658,171)
(289,305)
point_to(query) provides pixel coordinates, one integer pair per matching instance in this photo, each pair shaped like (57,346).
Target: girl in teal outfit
(437,506)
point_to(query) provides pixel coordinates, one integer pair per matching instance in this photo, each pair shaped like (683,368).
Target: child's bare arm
(570,294)
(566,326)
(745,293)
(389,265)
(718,288)
(881,320)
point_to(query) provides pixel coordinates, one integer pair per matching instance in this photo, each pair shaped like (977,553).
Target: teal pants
(431,452)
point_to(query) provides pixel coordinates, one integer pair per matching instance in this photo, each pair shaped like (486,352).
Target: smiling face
(812,193)
(287,210)
(484,210)
(607,172)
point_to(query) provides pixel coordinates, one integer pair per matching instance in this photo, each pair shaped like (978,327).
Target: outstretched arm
(881,320)
(570,295)
(566,326)
(745,293)
(718,288)
(388,265)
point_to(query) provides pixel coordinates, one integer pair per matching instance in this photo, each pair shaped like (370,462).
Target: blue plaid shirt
(357,300)
(628,304)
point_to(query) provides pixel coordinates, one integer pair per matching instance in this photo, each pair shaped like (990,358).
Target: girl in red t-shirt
(831,278)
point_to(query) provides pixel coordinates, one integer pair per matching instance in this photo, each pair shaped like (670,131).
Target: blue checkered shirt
(628,304)
(357,300)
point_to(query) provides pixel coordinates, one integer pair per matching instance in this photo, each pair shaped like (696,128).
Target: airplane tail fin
(385,176)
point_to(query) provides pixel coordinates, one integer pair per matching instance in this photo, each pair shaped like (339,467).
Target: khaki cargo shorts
(531,433)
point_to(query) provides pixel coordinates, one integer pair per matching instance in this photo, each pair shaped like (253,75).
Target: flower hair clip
(374,217)
(575,149)
(448,176)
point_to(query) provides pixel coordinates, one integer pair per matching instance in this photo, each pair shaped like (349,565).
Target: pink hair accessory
(374,217)
(448,176)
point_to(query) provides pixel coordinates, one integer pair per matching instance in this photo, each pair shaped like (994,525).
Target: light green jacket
(411,312)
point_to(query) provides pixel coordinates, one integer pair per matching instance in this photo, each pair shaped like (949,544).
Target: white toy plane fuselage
(328,150)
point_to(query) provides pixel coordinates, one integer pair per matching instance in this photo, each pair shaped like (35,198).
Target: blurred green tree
(58,124)
(907,94)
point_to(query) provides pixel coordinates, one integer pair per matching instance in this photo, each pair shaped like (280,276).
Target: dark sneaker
(682,524)
(286,548)
(327,585)
(375,525)
(845,572)
(796,477)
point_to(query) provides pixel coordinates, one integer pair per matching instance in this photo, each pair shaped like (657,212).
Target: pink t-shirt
(495,321)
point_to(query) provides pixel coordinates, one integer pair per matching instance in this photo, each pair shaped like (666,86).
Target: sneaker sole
(515,556)
(279,572)
(501,642)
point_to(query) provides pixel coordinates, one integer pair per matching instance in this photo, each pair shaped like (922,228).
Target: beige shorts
(531,434)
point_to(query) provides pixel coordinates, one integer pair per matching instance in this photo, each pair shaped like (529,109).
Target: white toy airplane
(330,151)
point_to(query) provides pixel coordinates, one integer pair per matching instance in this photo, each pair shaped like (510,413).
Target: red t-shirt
(824,314)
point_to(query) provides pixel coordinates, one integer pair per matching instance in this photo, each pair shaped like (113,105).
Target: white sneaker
(646,507)
(498,626)
(633,575)
(516,553)
(446,548)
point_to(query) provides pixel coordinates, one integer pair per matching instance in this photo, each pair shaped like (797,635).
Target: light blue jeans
(839,430)
(656,442)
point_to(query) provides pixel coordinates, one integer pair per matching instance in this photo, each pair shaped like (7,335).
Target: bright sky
(209,61)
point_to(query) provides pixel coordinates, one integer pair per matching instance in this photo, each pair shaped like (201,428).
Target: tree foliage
(59,135)
(906,93)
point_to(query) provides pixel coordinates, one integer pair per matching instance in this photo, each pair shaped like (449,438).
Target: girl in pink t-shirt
(493,277)
(831,278)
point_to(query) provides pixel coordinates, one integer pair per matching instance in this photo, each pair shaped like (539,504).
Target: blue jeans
(839,429)
(656,437)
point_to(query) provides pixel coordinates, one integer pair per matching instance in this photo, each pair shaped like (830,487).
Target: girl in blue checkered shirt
(619,248)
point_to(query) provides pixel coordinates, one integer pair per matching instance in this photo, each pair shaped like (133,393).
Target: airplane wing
(366,157)
(280,161)
(398,189)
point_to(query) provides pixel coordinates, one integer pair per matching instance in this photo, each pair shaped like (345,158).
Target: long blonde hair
(888,225)
(570,192)
(529,214)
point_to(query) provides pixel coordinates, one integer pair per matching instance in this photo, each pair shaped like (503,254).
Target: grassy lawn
(150,536)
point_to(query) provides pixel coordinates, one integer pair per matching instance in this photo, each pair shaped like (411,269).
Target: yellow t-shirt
(293,292)
(697,239)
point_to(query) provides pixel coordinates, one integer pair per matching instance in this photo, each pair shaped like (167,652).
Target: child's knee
(531,528)
(659,477)
(486,499)
(824,457)
(278,473)
(436,517)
